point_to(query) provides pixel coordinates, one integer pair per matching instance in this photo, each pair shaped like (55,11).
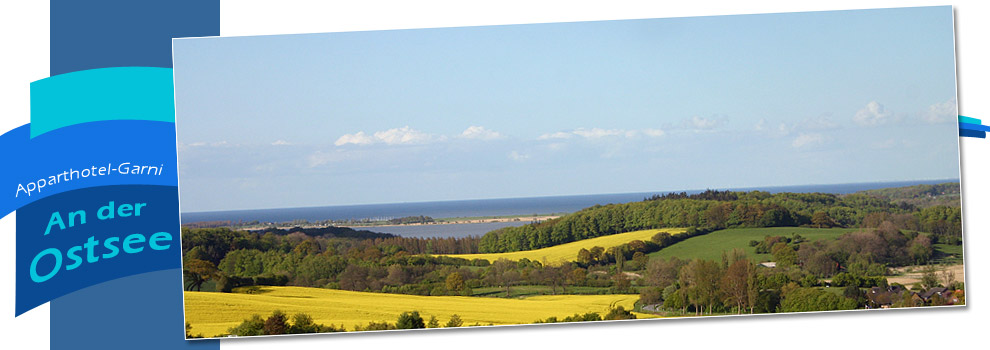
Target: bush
(375,326)
(619,313)
(813,299)
(455,321)
(251,326)
(276,324)
(410,320)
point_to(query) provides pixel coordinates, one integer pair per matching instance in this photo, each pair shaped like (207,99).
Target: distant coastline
(482,209)
(520,219)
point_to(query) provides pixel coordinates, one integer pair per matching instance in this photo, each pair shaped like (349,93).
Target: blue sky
(568,108)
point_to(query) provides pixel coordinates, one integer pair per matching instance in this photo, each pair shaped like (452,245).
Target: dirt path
(909,275)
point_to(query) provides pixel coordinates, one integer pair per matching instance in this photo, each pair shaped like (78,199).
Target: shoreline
(454,221)
(437,222)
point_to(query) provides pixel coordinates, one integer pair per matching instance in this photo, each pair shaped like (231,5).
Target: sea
(488,207)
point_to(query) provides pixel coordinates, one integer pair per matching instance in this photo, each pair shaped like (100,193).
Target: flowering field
(212,314)
(569,251)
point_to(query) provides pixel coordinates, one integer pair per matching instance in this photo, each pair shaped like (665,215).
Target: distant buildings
(897,295)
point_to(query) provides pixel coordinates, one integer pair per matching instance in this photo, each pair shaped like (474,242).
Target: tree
(242,262)
(948,278)
(821,219)
(677,300)
(251,326)
(813,299)
(784,255)
(929,279)
(303,323)
(621,283)
(736,285)
(853,293)
(196,272)
(577,277)
(921,249)
(375,326)
(584,257)
(354,277)
(661,273)
(504,273)
(410,320)
(598,255)
(455,321)
(619,313)
(554,276)
(307,247)
(455,283)
(662,239)
(650,295)
(396,275)
(276,324)
(701,278)
(434,322)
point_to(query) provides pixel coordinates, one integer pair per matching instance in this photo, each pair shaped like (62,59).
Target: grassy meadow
(711,246)
(569,251)
(212,314)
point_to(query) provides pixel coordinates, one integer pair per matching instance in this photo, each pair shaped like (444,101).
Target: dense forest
(724,209)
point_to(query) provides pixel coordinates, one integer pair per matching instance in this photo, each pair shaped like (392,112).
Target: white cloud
(808,140)
(784,129)
(281,143)
(480,133)
(873,114)
(397,136)
(358,139)
(516,156)
(556,135)
(204,144)
(761,124)
(941,112)
(595,133)
(703,123)
(404,136)
(654,132)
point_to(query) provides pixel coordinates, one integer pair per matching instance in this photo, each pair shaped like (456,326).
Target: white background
(25,58)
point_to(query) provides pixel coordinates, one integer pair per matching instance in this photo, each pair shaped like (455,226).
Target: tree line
(854,260)
(725,209)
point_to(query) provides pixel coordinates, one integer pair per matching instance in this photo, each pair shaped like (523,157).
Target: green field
(532,290)
(711,246)
(212,314)
(948,254)
(569,251)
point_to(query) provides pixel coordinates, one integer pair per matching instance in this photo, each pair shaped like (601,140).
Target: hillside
(920,196)
(569,251)
(711,246)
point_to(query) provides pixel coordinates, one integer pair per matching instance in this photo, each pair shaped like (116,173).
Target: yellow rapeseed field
(569,251)
(212,314)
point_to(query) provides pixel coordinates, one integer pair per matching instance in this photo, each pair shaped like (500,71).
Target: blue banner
(93,235)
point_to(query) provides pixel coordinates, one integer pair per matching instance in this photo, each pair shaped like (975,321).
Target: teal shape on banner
(969,120)
(122,93)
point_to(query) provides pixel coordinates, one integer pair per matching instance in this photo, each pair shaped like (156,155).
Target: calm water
(487,207)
